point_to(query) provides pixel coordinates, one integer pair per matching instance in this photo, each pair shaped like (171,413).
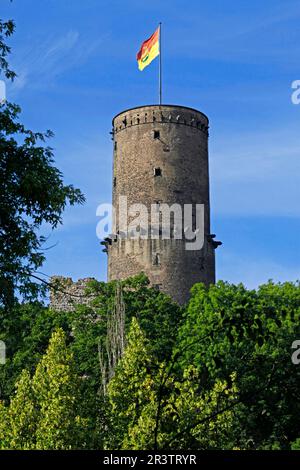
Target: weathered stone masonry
(66,293)
(161,156)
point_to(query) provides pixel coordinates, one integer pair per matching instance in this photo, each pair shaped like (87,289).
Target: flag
(149,50)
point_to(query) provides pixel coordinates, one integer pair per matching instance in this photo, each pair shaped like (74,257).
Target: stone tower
(161,158)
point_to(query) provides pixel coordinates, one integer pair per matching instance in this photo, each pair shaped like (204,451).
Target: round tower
(161,162)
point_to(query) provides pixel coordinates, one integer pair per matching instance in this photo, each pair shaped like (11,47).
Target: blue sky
(234,60)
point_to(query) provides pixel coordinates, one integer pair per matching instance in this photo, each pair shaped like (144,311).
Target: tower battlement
(160,114)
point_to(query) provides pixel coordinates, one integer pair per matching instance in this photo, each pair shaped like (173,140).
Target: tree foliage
(157,314)
(32,192)
(44,412)
(231,329)
(27,332)
(151,411)
(221,377)
(6,29)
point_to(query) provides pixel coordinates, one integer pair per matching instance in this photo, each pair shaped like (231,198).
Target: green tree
(26,333)
(230,339)
(32,192)
(55,387)
(231,329)
(296,444)
(151,408)
(158,316)
(6,30)
(131,387)
(18,421)
(28,329)
(45,411)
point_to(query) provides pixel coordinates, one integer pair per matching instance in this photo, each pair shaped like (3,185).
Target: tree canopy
(223,380)
(229,328)
(44,412)
(32,192)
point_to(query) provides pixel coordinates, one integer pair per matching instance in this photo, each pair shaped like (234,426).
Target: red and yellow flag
(149,50)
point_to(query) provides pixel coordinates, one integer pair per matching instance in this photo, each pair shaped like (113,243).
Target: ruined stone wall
(66,293)
(173,139)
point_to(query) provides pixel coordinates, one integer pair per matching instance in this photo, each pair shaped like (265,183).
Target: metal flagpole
(159,67)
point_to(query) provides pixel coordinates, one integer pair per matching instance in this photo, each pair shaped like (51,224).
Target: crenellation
(190,118)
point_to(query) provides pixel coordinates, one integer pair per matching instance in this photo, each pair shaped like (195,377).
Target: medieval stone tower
(161,158)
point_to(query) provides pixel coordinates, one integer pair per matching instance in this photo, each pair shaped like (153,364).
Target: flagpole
(159,67)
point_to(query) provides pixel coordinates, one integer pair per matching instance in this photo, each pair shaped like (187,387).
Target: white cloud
(41,62)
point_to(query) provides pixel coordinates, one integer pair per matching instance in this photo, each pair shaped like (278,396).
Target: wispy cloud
(257,156)
(251,272)
(231,35)
(40,63)
(62,45)
(256,173)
